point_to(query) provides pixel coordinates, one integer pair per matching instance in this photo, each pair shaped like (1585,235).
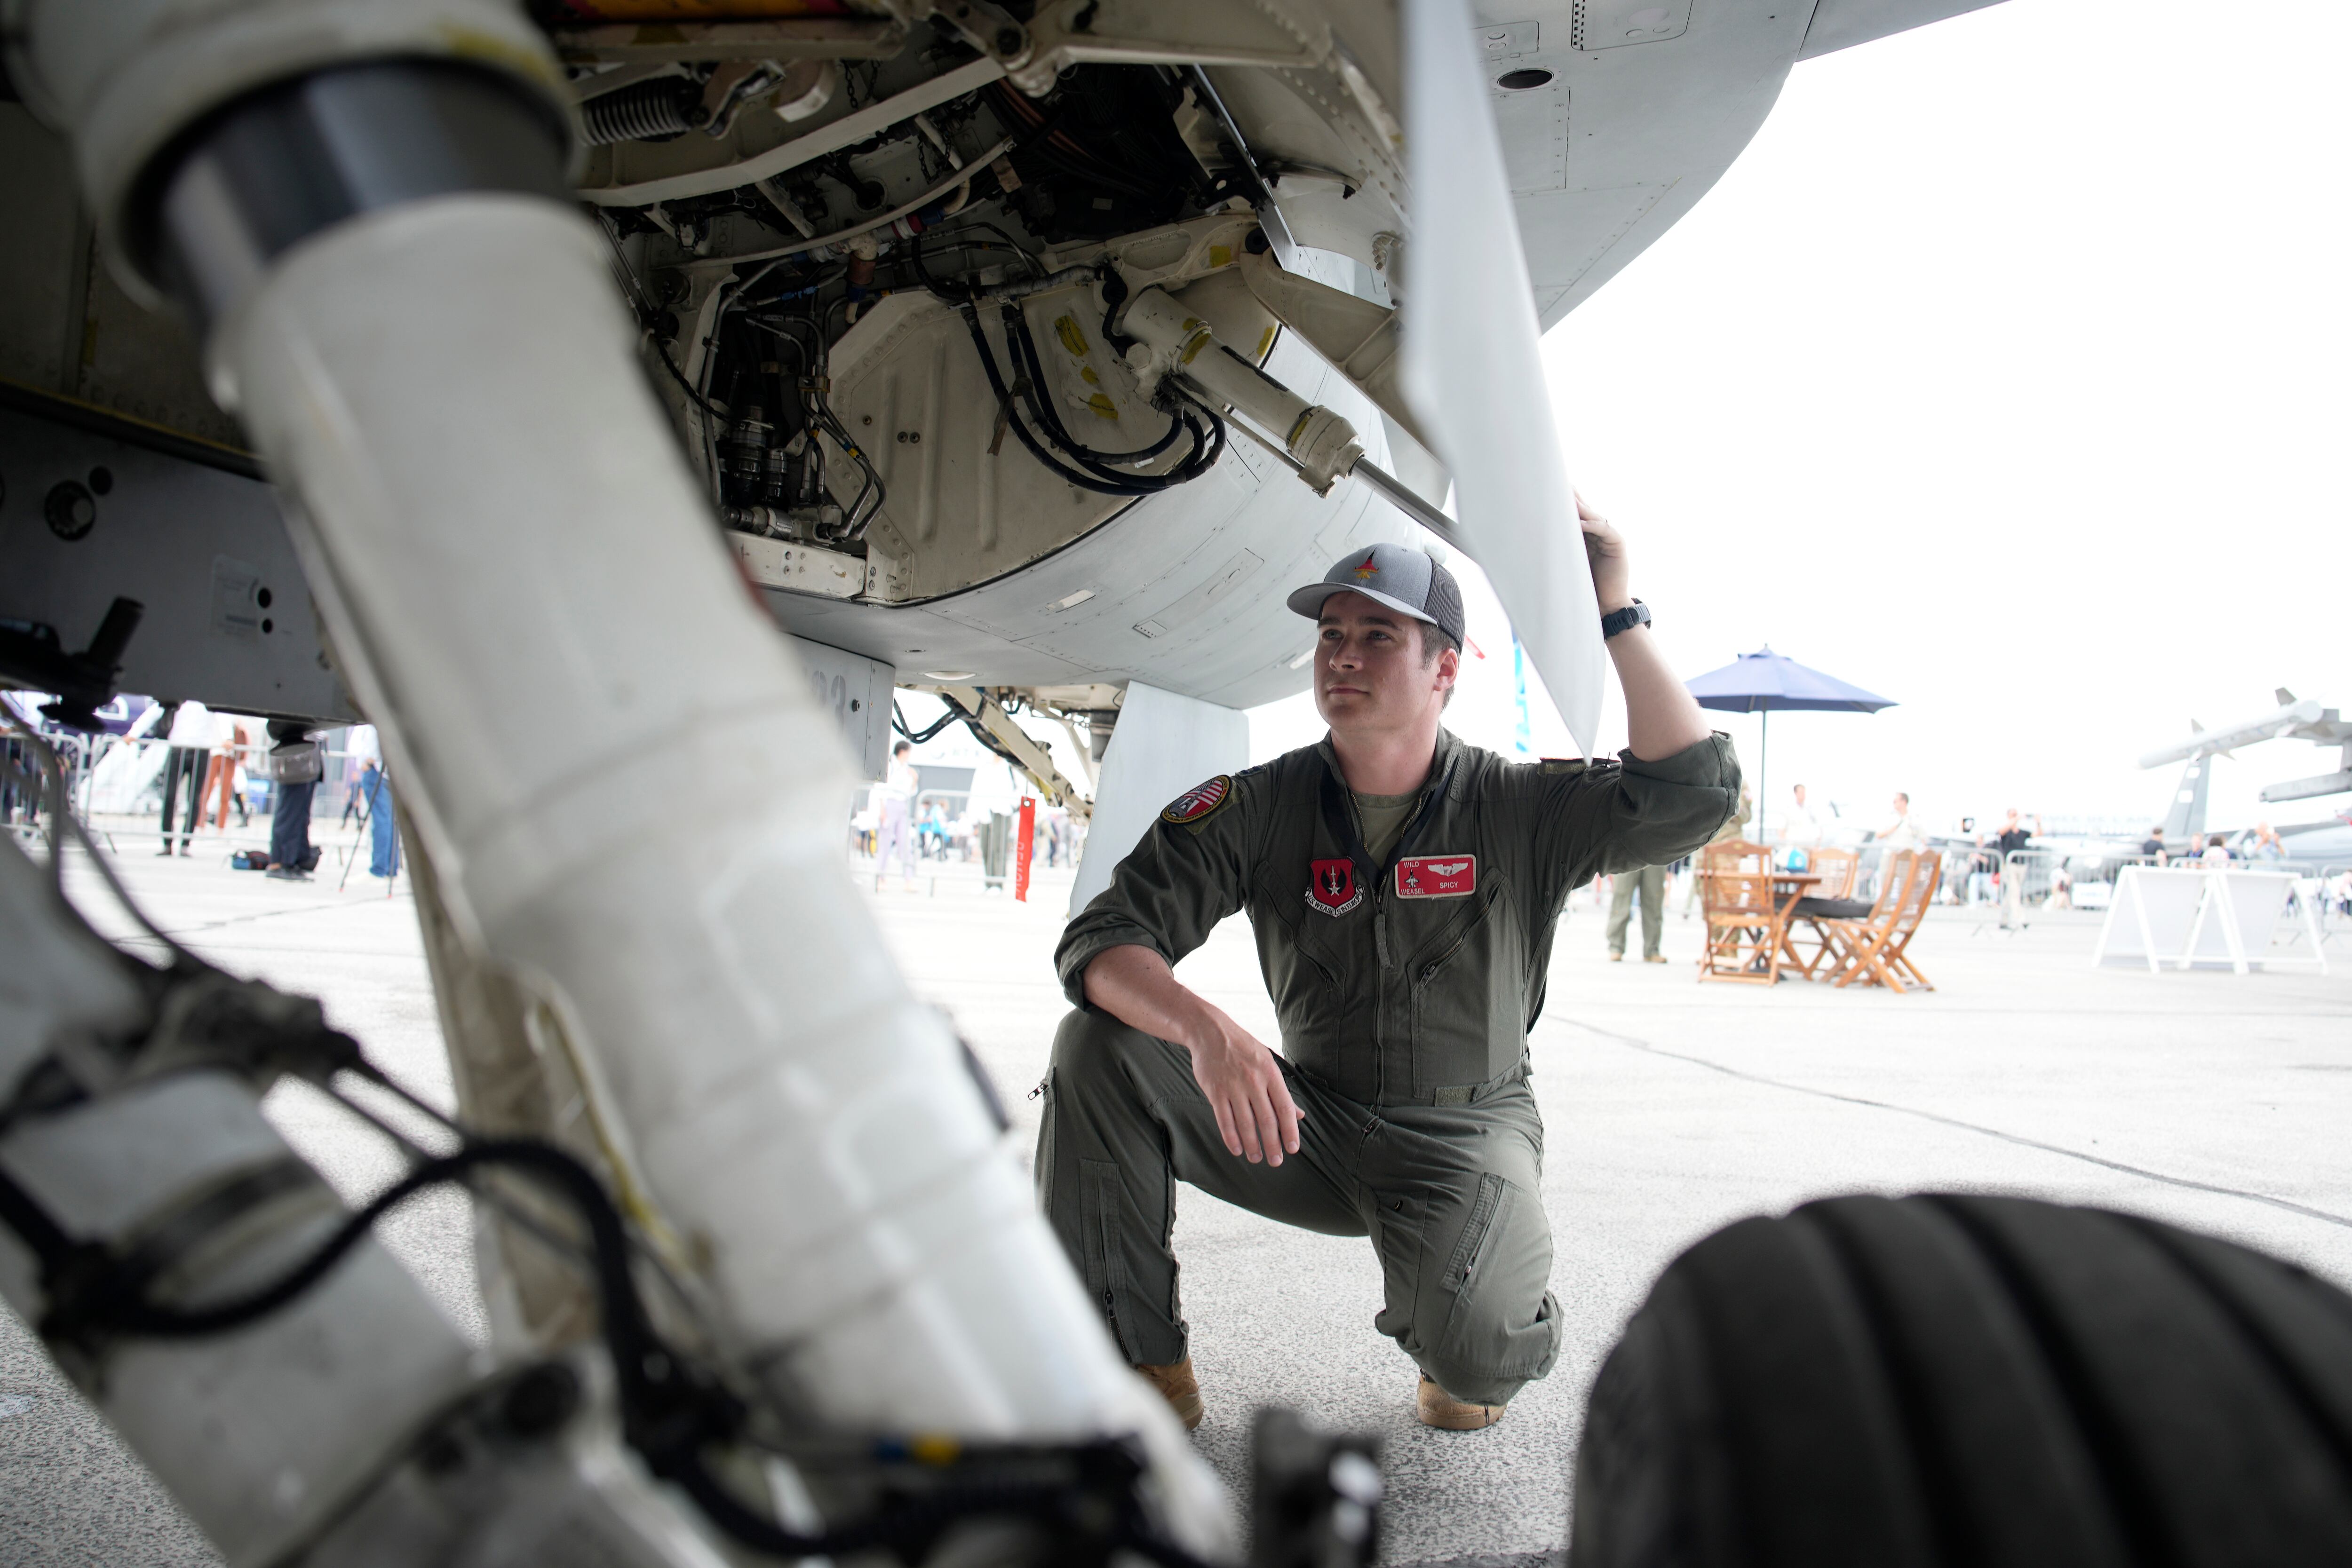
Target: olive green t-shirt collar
(1441,759)
(1383,819)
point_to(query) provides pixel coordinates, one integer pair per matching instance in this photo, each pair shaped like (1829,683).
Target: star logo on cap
(1367,570)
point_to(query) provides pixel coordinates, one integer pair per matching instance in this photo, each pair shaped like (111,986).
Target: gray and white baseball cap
(1406,580)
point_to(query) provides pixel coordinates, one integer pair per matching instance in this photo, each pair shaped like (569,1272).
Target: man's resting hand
(1236,1073)
(1245,1086)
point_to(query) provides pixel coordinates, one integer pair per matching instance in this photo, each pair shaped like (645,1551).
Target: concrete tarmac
(2207,1099)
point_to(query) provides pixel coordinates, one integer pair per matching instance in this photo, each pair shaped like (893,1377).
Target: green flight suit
(1405,992)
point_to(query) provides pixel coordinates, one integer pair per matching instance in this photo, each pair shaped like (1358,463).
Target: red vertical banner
(1027,835)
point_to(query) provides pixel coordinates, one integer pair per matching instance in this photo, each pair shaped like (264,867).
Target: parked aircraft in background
(2297,719)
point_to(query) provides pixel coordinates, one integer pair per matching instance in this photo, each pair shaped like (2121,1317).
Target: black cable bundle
(1088,468)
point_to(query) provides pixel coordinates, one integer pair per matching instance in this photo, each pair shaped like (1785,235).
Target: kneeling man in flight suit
(1404,887)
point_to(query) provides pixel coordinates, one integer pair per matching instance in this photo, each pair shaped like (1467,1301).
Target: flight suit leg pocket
(1461,1269)
(1501,1325)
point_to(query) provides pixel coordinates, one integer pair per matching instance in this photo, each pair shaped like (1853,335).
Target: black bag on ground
(1960,1381)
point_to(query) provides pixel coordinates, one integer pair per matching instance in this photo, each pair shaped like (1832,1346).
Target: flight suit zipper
(1340,816)
(1429,971)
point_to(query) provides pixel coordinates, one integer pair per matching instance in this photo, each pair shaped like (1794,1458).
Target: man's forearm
(1135,986)
(1661,716)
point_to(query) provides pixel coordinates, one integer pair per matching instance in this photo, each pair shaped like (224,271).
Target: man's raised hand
(1604,549)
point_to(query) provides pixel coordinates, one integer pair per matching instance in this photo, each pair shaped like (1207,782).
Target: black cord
(1088,478)
(661,351)
(646,316)
(898,722)
(981,225)
(625,1322)
(1030,367)
(1013,422)
(671,1409)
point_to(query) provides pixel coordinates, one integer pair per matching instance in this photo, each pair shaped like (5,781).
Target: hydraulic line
(898,722)
(1208,447)
(1085,477)
(1030,365)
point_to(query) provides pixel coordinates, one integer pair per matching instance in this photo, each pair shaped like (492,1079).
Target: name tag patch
(1331,887)
(1437,876)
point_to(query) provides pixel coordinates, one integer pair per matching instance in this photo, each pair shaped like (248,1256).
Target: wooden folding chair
(1843,937)
(1838,870)
(1872,950)
(1733,855)
(1929,876)
(1744,927)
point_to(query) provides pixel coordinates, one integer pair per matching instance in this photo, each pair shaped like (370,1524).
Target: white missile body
(2289,719)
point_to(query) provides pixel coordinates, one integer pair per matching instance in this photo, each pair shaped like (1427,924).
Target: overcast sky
(2005,374)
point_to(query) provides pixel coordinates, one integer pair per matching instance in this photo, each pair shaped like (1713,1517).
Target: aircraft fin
(2187,818)
(1162,745)
(1471,372)
(2286,697)
(1842,24)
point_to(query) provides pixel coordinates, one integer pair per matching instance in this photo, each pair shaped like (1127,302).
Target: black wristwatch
(1634,614)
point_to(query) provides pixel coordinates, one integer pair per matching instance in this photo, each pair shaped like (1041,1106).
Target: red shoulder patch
(1200,803)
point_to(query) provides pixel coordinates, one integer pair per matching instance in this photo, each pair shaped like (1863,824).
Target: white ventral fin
(1471,369)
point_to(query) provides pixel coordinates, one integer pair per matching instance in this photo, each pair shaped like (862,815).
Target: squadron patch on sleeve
(1199,803)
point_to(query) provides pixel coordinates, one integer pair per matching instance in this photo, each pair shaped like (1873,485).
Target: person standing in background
(361,754)
(893,800)
(1902,833)
(2013,838)
(1650,882)
(19,799)
(384,830)
(249,755)
(1799,829)
(220,778)
(296,766)
(190,737)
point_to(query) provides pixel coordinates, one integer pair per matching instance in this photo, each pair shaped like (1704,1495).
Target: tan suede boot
(1447,1414)
(1179,1387)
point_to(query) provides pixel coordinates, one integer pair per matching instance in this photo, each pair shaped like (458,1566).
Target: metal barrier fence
(82,755)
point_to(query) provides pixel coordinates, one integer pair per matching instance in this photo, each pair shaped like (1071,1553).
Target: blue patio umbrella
(1765,683)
